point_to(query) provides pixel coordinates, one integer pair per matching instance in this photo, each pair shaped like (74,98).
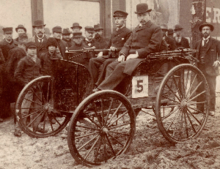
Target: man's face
(89,35)
(178,33)
(119,21)
(206,31)
(31,51)
(39,31)
(51,49)
(57,35)
(143,18)
(100,32)
(8,36)
(76,29)
(66,37)
(19,31)
(77,40)
(164,32)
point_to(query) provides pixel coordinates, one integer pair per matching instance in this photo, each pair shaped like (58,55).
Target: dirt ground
(148,150)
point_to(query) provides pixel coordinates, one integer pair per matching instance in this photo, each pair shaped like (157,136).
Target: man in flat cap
(57,34)
(179,39)
(7,43)
(20,30)
(120,35)
(209,61)
(39,37)
(146,38)
(66,37)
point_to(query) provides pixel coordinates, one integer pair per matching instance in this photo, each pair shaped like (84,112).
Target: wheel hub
(104,130)
(48,107)
(183,104)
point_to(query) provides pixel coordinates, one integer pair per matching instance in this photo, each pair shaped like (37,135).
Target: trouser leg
(103,70)
(115,78)
(94,65)
(212,86)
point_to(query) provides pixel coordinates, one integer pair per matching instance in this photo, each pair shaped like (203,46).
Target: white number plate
(139,86)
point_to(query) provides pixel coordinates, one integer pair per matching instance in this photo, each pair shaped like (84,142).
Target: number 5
(140,85)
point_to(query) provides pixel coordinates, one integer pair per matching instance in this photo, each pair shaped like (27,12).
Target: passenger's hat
(164,27)
(206,24)
(51,42)
(7,29)
(22,36)
(89,29)
(77,34)
(97,27)
(20,27)
(120,13)
(178,27)
(57,29)
(76,25)
(38,23)
(66,31)
(31,45)
(142,8)
(170,31)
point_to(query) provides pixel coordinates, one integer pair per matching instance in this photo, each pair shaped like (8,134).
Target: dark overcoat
(6,47)
(183,43)
(41,46)
(145,40)
(212,54)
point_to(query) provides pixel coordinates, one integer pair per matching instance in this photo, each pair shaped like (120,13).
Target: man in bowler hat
(57,34)
(209,61)
(20,30)
(169,42)
(145,39)
(120,35)
(66,37)
(179,39)
(39,38)
(100,41)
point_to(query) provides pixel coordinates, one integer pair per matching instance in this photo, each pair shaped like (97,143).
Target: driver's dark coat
(145,40)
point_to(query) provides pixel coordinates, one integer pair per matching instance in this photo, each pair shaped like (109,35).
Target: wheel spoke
(34,93)
(33,101)
(86,135)
(79,148)
(170,99)
(114,113)
(182,84)
(191,85)
(118,118)
(110,145)
(92,120)
(191,122)
(86,127)
(27,115)
(35,118)
(177,86)
(56,120)
(171,113)
(93,104)
(194,117)
(109,111)
(115,139)
(125,124)
(173,92)
(197,96)
(92,147)
(187,79)
(194,90)
(50,121)
(119,133)
(172,121)
(192,102)
(186,126)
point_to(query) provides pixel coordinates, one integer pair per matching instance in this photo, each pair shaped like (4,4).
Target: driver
(145,39)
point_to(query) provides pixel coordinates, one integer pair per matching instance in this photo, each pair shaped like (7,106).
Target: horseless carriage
(102,124)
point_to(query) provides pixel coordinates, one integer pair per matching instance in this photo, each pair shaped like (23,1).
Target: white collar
(206,38)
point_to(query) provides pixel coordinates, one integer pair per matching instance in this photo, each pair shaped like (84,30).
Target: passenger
(170,33)
(179,39)
(39,38)
(209,61)
(48,59)
(118,38)
(66,37)
(28,69)
(145,39)
(170,42)
(57,34)
(20,30)
(76,28)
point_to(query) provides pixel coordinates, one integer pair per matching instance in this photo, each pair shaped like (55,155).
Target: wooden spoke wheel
(101,128)
(183,99)
(35,109)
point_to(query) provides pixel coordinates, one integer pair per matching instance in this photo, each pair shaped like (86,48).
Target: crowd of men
(23,59)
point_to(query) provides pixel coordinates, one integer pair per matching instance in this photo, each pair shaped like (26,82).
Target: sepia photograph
(109,84)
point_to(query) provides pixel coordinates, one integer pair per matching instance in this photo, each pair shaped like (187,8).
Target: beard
(205,35)
(97,36)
